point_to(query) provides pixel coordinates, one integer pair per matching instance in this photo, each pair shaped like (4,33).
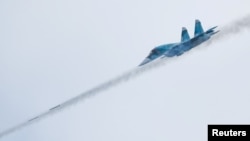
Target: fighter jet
(186,43)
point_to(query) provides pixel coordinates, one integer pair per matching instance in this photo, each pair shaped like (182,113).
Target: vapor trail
(230,29)
(111,83)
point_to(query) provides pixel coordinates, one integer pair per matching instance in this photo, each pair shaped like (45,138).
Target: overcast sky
(53,50)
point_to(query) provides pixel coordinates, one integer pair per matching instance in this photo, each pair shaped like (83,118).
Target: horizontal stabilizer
(211,31)
(184,35)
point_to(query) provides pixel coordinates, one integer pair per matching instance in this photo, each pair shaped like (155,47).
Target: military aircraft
(187,43)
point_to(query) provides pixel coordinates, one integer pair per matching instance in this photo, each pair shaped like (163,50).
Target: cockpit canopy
(158,51)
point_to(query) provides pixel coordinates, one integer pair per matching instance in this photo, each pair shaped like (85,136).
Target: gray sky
(54,50)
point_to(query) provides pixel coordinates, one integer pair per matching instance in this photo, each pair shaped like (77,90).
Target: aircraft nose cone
(145,61)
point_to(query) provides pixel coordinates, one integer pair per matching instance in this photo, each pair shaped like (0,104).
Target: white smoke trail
(111,83)
(231,29)
(235,27)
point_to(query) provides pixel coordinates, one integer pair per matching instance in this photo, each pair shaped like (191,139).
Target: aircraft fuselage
(187,43)
(182,47)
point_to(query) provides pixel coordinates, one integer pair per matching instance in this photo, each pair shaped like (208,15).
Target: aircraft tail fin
(184,35)
(198,28)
